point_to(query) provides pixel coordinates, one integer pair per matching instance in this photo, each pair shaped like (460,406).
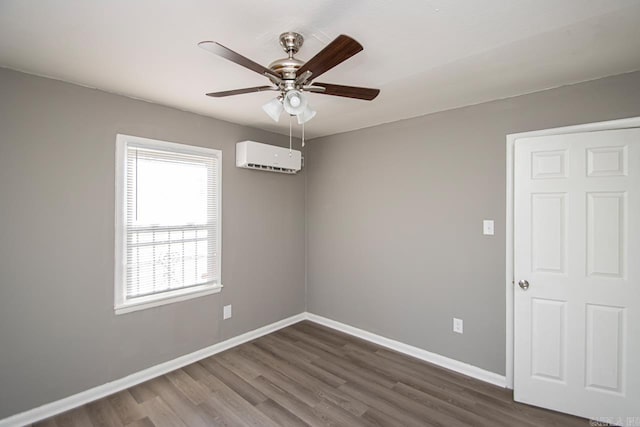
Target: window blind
(171,221)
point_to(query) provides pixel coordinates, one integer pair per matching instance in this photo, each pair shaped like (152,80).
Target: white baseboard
(427,356)
(87,396)
(95,393)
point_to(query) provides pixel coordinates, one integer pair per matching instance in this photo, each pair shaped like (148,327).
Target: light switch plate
(226,312)
(457,325)
(487,227)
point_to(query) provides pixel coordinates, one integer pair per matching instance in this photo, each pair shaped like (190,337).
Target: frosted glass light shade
(306,115)
(294,102)
(273,109)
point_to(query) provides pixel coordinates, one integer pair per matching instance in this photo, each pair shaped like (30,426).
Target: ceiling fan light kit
(274,109)
(306,115)
(294,102)
(294,78)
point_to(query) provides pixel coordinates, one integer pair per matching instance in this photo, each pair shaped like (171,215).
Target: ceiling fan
(292,77)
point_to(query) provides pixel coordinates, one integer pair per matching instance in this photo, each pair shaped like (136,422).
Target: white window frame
(121,305)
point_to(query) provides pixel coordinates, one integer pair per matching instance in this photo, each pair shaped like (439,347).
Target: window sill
(155,301)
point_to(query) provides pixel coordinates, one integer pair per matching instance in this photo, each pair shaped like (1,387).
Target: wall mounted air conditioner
(255,155)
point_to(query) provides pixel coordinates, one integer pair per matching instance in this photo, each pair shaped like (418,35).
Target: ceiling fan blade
(232,56)
(241,91)
(347,91)
(336,52)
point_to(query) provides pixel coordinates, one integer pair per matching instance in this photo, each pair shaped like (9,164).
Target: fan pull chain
(302,134)
(290,135)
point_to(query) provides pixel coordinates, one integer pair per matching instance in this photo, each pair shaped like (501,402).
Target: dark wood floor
(307,374)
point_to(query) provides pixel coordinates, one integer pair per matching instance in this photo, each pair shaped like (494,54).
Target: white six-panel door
(577,245)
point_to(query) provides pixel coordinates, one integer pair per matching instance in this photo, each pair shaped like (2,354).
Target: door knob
(524,285)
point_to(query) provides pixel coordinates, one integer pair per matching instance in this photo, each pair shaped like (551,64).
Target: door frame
(633,122)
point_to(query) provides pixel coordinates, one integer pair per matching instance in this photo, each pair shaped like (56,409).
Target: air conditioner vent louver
(270,168)
(265,157)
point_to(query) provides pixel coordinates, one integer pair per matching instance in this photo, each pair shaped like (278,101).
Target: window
(167,222)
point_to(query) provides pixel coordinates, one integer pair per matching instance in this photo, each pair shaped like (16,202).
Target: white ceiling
(424,55)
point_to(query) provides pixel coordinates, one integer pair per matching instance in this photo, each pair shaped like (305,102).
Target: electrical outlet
(487,227)
(457,325)
(226,312)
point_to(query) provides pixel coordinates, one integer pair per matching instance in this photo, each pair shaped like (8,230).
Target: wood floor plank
(51,422)
(279,415)
(454,404)
(234,381)
(372,400)
(443,386)
(323,392)
(340,367)
(469,414)
(286,344)
(194,391)
(223,398)
(196,370)
(401,374)
(340,415)
(429,371)
(273,371)
(77,417)
(418,409)
(160,414)
(246,371)
(221,415)
(310,343)
(141,392)
(144,422)
(495,403)
(350,339)
(283,345)
(102,414)
(179,403)
(325,335)
(290,402)
(229,402)
(126,407)
(377,417)
(310,375)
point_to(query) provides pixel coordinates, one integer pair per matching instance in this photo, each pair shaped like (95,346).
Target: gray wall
(58,331)
(394,242)
(394,217)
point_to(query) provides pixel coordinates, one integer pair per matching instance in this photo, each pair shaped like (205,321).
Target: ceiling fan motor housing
(287,67)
